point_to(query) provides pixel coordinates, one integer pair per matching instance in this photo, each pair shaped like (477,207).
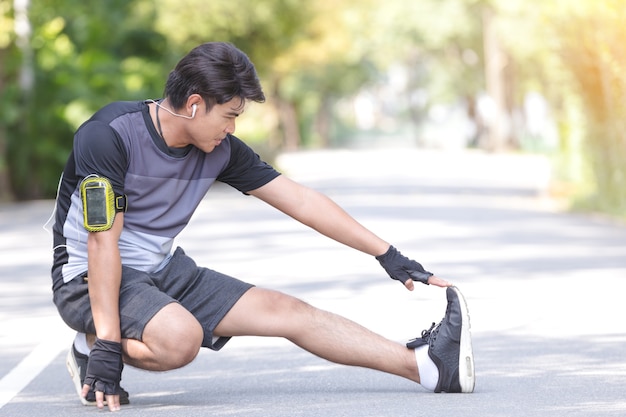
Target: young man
(137,172)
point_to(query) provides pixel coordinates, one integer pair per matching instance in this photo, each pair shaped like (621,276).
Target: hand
(433,280)
(104,372)
(439,282)
(406,270)
(113,401)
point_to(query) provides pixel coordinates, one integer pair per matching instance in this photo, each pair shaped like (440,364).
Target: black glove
(401,268)
(104,369)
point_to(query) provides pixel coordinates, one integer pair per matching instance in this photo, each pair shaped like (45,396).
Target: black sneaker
(76,363)
(450,346)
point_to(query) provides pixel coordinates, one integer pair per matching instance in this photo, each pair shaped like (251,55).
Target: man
(137,172)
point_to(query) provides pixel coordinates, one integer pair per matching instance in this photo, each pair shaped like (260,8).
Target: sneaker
(76,363)
(450,346)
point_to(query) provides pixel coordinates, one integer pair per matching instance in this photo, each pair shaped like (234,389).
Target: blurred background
(494,76)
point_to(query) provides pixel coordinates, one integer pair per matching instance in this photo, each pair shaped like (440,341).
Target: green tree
(7,76)
(573,53)
(307,53)
(332,59)
(84,54)
(262,29)
(440,44)
(591,43)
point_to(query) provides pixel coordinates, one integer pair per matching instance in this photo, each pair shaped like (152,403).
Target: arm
(319,212)
(104,278)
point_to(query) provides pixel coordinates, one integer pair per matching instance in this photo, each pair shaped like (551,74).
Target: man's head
(217,71)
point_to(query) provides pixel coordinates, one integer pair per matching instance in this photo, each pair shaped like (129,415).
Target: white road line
(32,365)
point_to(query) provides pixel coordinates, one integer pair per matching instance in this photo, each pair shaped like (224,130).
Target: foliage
(574,53)
(84,55)
(261,28)
(303,51)
(313,58)
(591,42)
(8,73)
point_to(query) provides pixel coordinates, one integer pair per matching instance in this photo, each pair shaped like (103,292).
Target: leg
(261,312)
(171,339)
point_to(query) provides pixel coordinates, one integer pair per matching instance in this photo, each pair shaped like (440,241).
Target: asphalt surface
(545,290)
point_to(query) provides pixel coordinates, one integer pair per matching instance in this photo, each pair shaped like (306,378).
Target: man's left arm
(319,212)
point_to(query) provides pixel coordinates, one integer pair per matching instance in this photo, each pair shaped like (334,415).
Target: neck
(166,124)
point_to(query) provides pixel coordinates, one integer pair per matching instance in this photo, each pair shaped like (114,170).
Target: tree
(263,30)
(305,53)
(8,73)
(591,43)
(332,59)
(79,63)
(438,45)
(572,52)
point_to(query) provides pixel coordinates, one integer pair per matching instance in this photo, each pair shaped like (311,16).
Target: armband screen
(98,204)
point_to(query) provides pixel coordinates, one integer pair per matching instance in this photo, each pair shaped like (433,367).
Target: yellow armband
(99,203)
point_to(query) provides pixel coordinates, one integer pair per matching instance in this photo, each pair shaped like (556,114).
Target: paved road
(545,291)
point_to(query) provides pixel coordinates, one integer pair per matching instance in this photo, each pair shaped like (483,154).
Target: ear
(194,102)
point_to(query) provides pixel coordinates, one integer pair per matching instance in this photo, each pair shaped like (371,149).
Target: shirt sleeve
(245,170)
(98,150)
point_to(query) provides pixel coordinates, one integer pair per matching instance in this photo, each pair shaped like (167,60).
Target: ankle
(80,344)
(91,340)
(428,372)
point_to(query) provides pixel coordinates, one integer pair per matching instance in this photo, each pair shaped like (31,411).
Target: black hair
(217,71)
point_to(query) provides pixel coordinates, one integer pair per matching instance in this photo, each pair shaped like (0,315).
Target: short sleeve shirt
(163,186)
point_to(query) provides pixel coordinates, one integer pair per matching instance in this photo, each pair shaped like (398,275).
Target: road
(544,287)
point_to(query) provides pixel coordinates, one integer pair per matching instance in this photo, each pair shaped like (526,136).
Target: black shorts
(205,293)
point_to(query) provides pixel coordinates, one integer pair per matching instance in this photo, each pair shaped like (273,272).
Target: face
(209,129)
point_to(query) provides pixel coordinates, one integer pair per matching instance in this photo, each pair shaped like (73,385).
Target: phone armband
(99,204)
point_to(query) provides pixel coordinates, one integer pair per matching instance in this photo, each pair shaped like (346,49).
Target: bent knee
(174,336)
(180,351)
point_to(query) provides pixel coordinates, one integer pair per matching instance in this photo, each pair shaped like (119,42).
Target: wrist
(108,345)
(111,335)
(388,250)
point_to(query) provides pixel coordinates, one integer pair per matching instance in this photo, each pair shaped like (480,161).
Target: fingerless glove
(104,369)
(401,268)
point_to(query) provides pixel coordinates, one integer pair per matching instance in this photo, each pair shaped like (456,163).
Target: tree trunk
(6,193)
(495,63)
(289,123)
(323,122)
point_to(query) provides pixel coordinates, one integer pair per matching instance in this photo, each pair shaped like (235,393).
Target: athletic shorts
(205,293)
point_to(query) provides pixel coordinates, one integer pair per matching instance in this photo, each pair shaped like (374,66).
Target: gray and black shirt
(163,186)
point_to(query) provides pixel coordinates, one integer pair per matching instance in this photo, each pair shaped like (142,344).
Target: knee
(262,312)
(283,305)
(174,340)
(287,316)
(181,352)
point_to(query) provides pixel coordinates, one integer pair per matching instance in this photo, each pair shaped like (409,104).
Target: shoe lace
(426,333)
(427,336)
(430,335)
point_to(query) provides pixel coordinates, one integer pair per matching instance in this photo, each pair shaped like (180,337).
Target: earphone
(194,107)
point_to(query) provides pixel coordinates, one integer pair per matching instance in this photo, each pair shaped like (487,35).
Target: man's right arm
(104,278)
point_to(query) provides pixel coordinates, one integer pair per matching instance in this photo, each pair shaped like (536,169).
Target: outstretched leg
(261,312)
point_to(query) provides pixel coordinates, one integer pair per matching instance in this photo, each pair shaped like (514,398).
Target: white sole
(467,376)
(72,368)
